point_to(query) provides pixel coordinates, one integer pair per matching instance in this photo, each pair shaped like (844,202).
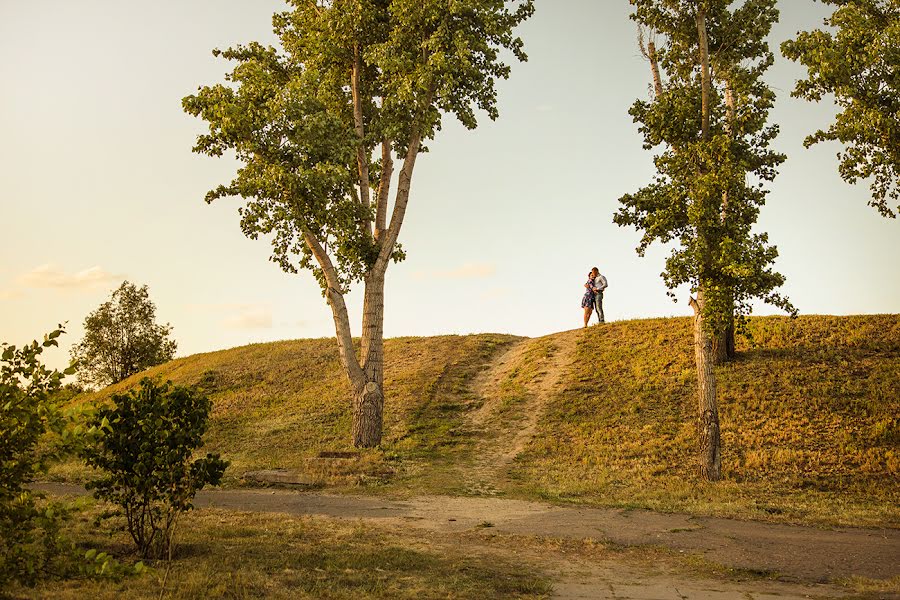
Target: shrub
(30,540)
(144,445)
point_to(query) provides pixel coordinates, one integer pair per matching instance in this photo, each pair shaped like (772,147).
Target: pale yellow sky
(98,184)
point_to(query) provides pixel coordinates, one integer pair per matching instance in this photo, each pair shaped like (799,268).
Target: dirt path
(796,554)
(512,405)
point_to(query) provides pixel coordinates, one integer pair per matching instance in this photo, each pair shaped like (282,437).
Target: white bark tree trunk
(710,465)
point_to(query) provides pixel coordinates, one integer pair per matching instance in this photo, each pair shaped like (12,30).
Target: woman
(587,301)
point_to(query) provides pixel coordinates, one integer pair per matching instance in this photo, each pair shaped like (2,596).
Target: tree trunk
(700,18)
(723,344)
(708,417)
(368,404)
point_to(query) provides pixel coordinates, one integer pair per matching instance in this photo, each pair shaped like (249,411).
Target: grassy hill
(810,417)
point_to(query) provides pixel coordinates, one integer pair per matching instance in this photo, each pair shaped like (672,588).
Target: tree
(122,338)
(143,447)
(708,114)
(317,125)
(859,63)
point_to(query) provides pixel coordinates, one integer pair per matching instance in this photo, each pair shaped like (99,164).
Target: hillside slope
(810,419)
(602,416)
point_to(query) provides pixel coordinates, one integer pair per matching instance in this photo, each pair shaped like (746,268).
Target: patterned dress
(587,301)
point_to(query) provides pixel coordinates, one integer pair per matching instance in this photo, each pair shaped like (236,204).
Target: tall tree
(858,61)
(122,338)
(318,124)
(708,118)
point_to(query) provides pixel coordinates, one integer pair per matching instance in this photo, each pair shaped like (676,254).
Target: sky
(98,184)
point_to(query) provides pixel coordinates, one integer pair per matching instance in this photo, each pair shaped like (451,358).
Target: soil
(505,436)
(802,559)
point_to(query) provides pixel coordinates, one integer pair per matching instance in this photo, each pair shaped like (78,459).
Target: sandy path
(802,554)
(506,434)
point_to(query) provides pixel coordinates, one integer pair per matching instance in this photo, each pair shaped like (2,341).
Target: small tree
(143,447)
(29,539)
(121,338)
(317,125)
(859,63)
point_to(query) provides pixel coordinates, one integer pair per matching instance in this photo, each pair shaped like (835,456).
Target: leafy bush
(144,445)
(30,541)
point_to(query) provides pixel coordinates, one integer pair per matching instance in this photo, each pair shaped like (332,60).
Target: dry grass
(279,405)
(223,554)
(809,415)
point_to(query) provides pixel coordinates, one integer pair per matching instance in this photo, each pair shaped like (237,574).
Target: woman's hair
(595,269)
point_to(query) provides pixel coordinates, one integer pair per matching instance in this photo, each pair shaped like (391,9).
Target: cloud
(250,317)
(466,271)
(50,276)
(544,108)
(495,293)
(10,294)
(240,315)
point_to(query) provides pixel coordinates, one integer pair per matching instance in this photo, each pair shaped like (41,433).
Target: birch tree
(355,90)
(707,121)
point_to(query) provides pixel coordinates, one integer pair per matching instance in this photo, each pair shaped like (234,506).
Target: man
(599,285)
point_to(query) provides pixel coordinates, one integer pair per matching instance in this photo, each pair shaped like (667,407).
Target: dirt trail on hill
(507,428)
(796,554)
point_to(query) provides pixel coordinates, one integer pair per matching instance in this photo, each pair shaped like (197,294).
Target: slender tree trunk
(708,414)
(723,344)
(705,82)
(654,68)
(368,400)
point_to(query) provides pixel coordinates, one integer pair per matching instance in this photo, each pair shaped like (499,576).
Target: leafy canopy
(710,183)
(288,113)
(857,59)
(122,338)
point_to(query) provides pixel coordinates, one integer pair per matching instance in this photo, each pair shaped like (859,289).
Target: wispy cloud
(238,315)
(495,293)
(466,271)
(10,294)
(50,276)
(259,317)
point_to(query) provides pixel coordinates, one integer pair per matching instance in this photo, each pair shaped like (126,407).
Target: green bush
(143,446)
(30,540)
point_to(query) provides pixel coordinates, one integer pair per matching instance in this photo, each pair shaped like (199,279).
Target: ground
(527,468)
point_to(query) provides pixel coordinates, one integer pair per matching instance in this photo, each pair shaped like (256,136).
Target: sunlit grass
(224,554)
(810,418)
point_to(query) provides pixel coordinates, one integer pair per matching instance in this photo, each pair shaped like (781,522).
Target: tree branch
(362,155)
(384,187)
(338,309)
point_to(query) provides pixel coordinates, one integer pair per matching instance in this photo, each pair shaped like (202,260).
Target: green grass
(809,416)
(224,554)
(278,405)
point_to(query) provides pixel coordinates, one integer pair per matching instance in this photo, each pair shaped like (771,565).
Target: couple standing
(593,296)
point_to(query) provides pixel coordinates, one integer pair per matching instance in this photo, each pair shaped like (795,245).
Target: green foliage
(30,541)
(143,446)
(858,61)
(121,338)
(288,114)
(710,185)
